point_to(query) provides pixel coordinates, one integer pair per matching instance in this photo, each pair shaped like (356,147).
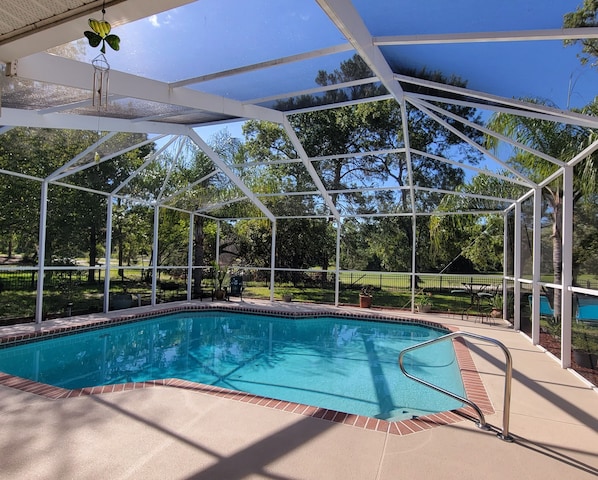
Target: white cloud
(154,21)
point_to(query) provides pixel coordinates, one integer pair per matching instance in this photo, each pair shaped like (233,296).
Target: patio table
(475,289)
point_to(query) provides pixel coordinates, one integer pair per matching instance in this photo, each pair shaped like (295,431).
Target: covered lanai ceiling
(184,66)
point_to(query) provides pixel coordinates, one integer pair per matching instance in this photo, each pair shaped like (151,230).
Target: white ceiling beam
(476,196)
(423,214)
(148,159)
(409,163)
(563,116)
(417,104)
(346,18)
(348,103)
(43,67)
(232,176)
(173,162)
(310,168)
(189,187)
(385,151)
(587,121)
(70,167)
(32,119)
(470,167)
(487,131)
(74,105)
(262,65)
(487,37)
(312,91)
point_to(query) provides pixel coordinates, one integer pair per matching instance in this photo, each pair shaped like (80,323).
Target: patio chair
(462,300)
(235,288)
(587,309)
(485,305)
(546,310)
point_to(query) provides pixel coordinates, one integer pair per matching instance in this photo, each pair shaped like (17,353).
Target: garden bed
(553,345)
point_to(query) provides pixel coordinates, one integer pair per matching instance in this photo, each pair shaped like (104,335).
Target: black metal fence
(27,280)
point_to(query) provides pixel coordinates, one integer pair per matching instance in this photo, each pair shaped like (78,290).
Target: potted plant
(424,302)
(219,274)
(287,296)
(496,305)
(365,297)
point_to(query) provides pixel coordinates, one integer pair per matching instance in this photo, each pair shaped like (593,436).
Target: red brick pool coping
(472,382)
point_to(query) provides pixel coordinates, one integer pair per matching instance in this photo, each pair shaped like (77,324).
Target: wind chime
(100,34)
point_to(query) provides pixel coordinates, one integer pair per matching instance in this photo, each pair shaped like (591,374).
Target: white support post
(338,263)
(41,254)
(108,251)
(155,253)
(272,261)
(567,266)
(517,267)
(505,270)
(413,260)
(218,242)
(190,258)
(536,265)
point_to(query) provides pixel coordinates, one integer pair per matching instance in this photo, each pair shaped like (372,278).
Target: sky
(213,35)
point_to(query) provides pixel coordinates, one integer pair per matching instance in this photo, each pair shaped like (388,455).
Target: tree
(76,217)
(585,239)
(584,16)
(215,189)
(89,214)
(562,142)
(362,129)
(476,238)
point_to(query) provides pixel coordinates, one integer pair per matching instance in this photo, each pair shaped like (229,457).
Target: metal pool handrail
(508,376)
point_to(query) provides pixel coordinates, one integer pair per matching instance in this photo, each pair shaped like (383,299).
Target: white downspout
(272,260)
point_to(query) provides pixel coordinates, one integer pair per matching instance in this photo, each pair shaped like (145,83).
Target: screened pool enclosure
(210,115)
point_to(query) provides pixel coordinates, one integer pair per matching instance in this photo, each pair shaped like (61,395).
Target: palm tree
(560,141)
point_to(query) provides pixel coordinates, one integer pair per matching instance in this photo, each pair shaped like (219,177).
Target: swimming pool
(331,362)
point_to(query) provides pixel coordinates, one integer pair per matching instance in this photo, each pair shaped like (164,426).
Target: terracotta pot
(365,301)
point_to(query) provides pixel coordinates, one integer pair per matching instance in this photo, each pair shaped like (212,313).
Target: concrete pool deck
(173,433)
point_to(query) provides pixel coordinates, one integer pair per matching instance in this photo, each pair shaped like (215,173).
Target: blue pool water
(335,363)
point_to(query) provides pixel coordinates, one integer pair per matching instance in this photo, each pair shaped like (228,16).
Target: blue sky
(213,35)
